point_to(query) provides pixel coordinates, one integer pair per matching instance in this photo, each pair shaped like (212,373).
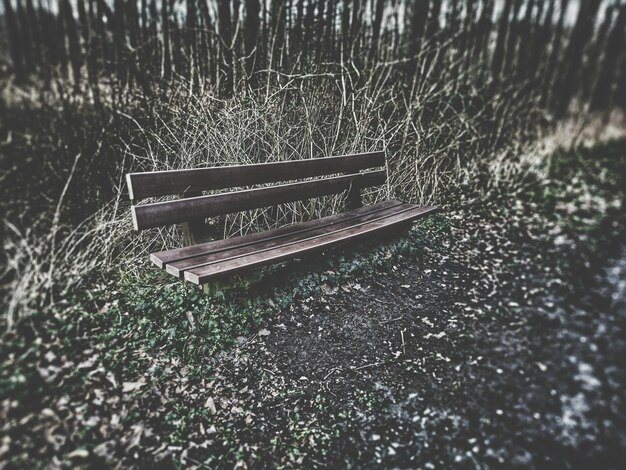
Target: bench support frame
(195,231)
(235,282)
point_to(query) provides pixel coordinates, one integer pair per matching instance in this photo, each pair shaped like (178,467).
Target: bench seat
(205,262)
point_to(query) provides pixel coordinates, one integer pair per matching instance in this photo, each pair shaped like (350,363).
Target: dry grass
(438,143)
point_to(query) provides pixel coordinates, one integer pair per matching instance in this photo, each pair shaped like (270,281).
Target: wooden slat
(178,254)
(179,266)
(162,183)
(172,212)
(231,266)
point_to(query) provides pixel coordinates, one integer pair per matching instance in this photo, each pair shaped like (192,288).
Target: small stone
(48,413)
(133,386)
(210,404)
(78,454)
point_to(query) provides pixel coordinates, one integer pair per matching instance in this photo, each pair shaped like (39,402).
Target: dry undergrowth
(426,163)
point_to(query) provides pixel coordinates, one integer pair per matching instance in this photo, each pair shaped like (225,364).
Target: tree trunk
(26,38)
(605,85)
(15,43)
(191,45)
(251,31)
(166,67)
(596,50)
(511,44)
(226,62)
(35,30)
(209,55)
(570,76)
(546,94)
(76,57)
(379,7)
(498,54)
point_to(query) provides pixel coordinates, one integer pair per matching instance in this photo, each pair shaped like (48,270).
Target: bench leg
(195,231)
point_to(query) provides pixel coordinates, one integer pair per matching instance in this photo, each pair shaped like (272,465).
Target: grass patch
(158,314)
(155,311)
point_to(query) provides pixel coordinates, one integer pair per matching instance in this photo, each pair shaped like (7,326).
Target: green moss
(368,400)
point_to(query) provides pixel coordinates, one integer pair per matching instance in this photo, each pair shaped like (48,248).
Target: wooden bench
(201,263)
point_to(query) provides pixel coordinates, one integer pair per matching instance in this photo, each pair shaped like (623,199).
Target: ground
(490,335)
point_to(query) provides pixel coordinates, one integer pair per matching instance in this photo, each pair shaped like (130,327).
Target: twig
(247,341)
(332,371)
(374,364)
(403,343)
(391,320)
(55,225)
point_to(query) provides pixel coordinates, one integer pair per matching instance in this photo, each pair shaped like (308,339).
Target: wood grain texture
(178,267)
(163,183)
(165,213)
(238,264)
(163,257)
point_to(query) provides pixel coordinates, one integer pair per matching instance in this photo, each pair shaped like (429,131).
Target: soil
(438,381)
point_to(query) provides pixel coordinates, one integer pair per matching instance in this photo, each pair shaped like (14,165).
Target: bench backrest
(194,205)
